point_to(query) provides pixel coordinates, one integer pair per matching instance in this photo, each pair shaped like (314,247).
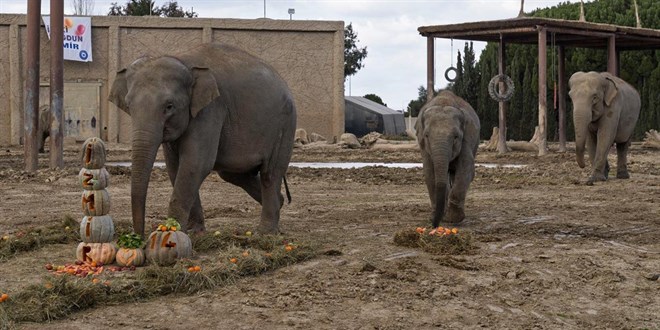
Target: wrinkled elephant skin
(605,111)
(213,108)
(448,136)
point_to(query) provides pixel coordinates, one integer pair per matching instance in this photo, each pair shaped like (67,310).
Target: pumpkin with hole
(97,229)
(94,179)
(95,202)
(126,257)
(93,156)
(103,253)
(165,247)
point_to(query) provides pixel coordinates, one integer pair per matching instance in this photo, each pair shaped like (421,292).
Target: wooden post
(562,98)
(430,67)
(612,56)
(31,116)
(543,102)
(56,83)
(501,63)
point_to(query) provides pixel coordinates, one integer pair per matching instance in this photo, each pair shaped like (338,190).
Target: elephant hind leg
(272,201)
(622,160)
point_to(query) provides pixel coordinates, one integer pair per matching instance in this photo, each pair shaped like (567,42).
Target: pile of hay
(454,244)
(223,256)
(65,231)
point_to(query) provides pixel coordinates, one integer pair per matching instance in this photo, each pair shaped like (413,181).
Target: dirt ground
(552,252)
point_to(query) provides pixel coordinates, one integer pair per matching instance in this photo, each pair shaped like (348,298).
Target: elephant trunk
(145,147)
(581,120)
(440,155)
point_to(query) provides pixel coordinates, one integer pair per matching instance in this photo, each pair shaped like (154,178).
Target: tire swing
(451,68)
(497,95)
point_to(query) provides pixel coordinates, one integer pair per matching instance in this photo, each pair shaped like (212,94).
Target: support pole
(501,64)
(56,83)
(31,115)
(612,56)
(543,86)
(430,67)
(562,98)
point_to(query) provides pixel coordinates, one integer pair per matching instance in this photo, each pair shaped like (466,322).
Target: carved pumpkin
(130,257)
(97,229)
(103,253)
(165,247)
(95,202)
(94,179)
(93,156)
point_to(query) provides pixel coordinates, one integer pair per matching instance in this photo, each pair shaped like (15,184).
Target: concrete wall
(308,54)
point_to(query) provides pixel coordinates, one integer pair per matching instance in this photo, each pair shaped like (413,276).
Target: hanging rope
(451,68)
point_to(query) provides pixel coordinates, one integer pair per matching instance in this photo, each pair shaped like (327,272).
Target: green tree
(149,8)
(415,105)
(353,55)
(375,98)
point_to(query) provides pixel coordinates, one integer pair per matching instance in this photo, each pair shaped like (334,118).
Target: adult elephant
(214,107)
(605,111)
(448,136)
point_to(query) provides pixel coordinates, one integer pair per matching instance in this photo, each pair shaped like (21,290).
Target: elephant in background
(448,137)
(605,111)
(213,108)
(44,126)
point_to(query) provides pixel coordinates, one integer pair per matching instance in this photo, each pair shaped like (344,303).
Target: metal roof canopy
(532,30)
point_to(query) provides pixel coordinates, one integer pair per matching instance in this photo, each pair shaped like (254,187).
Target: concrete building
(307,54)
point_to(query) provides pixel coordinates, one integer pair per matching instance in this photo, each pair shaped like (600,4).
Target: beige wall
(308,55)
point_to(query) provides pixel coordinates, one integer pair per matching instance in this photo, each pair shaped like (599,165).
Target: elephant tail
(286,188)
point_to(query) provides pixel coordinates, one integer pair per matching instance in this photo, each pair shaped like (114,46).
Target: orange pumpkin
(96,252)
(97,229)
(94,179)
(165,247)
(95,202)
(93,156)
(130,257)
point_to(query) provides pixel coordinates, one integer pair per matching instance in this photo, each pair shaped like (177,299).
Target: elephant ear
(119,91)
(204,90)
(120,85)
(611,90)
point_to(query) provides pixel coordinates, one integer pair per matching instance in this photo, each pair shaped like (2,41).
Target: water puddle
(343,165)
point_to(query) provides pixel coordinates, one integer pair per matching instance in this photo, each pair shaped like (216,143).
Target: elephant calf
(605,111)
(448,136)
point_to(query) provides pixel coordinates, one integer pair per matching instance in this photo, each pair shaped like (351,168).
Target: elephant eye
(169,106)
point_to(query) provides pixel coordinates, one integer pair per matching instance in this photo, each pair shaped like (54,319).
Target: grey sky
(396,64)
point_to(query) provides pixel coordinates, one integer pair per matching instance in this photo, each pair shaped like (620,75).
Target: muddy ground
(552,252)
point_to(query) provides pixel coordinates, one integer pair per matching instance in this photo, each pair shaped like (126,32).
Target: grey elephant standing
(44,126)
(605,111)
(448,136)
(214,108)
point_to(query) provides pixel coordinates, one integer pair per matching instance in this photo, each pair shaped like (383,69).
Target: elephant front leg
(622,160)
(196,215)
(460,185)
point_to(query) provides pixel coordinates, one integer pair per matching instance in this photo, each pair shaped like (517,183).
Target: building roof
(524,30)
(371,105)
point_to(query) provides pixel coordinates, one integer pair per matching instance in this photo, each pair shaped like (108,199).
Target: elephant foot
(455,215)
(267,229)
(196,228)
(622,175)
(596,177)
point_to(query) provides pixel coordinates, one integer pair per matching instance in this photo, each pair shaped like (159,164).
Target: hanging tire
(498,95)
(450,69)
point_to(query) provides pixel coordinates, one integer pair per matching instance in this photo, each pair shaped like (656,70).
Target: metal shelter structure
(529,30)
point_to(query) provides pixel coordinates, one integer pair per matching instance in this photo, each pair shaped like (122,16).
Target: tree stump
(652,140)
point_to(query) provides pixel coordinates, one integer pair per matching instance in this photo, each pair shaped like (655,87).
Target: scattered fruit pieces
(217,233)
(233,260)
(49,267)
(6,237)
(288,248)
(48,285)
(173,228)
(248,233)
(440,231)
(246,253)
(4,297)
(95,280)
(420,230)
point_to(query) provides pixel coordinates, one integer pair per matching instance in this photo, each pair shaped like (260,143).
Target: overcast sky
(396,62)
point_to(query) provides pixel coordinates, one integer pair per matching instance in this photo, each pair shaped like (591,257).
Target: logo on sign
(83,55)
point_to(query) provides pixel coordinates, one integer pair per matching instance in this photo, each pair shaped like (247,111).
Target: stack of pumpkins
(96,229)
